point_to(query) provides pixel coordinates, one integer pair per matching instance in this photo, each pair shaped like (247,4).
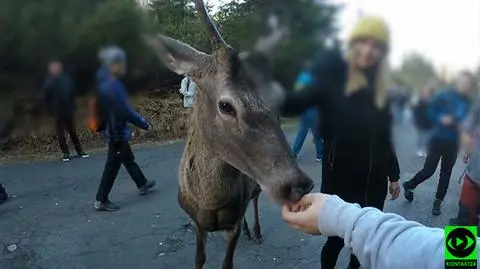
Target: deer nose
(303,186)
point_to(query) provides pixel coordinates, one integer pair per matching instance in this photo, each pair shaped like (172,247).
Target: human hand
(394,190)
(304,215)
(446,120)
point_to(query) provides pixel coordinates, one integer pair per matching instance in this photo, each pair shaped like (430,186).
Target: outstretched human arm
(382,240)
(379,240)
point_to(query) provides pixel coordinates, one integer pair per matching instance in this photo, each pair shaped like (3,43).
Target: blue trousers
(308,121)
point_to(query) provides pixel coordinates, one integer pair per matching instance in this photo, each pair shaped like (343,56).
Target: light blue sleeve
(382,240)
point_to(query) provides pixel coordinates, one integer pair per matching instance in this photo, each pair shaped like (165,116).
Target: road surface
(50,222)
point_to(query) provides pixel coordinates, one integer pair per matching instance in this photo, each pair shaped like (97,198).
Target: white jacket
(188,89)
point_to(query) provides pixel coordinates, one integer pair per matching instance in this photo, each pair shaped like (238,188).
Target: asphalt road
(51,222)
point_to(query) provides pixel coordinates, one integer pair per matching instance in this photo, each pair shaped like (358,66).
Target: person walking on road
(350,92)
(308,121)
(188,89)
(422,122)
(469,203)
(448,109)
(60,99)
(117,113)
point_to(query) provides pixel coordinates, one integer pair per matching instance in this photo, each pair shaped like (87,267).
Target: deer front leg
(257,233)
(200,256)
(231,245)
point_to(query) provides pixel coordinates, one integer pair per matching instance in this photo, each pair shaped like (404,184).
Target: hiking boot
(145,188)
(436,209)
(107,206)
(66,157)
(3,196)
(83,155)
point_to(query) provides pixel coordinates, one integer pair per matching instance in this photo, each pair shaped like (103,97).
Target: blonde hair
(356,79)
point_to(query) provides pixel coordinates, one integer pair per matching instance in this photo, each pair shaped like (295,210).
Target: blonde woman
(349,90)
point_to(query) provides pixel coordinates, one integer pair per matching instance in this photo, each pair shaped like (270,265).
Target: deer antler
(210,27)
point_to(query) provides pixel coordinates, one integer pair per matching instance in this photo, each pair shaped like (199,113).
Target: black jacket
(60,96)
(420,115)
(359,155)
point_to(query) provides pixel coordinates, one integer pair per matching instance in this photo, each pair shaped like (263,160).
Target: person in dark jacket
(350,91)
(60,99)
(118,113)
(422,122)
(447,110)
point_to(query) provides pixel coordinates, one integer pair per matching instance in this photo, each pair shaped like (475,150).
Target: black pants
(338,180)
(445,150)
(335,244)
(67,123)
(118,153)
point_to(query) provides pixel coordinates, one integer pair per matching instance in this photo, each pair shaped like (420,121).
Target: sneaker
(145,188)
(83,155)
(436,209)
(407,192)
(66,157)
(107,206)
(3,197)
(318,159)
(420,153)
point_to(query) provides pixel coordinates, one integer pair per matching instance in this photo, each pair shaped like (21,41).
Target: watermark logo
(461,250)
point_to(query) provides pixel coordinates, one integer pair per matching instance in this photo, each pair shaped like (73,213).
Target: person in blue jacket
(117,113)
(308,121)
(447,110)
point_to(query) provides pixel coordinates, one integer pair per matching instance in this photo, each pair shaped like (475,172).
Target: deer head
(236,106)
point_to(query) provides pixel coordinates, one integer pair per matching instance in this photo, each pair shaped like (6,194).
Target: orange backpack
(95,120)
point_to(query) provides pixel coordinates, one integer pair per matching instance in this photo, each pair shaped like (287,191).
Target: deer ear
(177,56)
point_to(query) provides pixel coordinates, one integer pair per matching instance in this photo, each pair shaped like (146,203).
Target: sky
(445,31)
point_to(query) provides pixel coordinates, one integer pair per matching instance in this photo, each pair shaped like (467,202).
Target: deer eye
(226,108)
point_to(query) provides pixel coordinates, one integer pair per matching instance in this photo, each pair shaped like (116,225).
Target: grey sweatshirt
(383,240)
(472,126)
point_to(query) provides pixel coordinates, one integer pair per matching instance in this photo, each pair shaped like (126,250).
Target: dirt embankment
(37,135)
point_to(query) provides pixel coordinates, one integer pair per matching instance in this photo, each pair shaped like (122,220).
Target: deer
(235,147)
